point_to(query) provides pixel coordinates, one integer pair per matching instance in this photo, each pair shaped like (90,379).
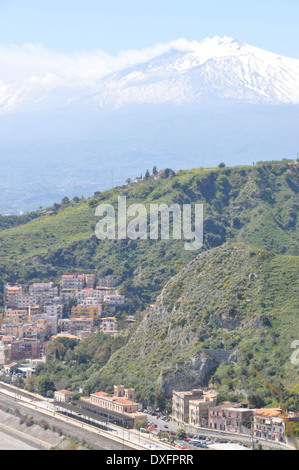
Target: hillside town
(37,313)
(34,314)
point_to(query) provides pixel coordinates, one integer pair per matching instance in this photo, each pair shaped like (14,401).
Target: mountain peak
(207,44)
(180,71)
(214,69)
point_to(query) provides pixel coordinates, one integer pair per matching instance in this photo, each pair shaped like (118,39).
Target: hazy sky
(116,25)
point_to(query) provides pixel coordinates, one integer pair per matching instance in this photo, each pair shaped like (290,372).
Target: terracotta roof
(100,394)
(64,335)
(269,412)
(123,401)
(65,392)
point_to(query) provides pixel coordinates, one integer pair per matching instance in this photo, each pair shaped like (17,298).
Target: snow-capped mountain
(68,122)
(180,72)
(192,72)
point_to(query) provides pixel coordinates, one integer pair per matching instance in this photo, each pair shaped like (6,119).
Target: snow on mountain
(179,72)
(190,72)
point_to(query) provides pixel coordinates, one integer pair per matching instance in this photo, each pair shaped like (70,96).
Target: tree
(155,170)
(168,173)
(162,435)
(140,424)
(128,180)
(147,175)
(55,350)
(65,201)
(181,433)
(19,382)
(45,385)
(221,165)
(67,309)
(61,383)
(256,399)
(31,383)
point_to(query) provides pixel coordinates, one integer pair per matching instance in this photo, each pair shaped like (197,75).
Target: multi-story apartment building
(232,419)
(79,325)
(52,319)
(43,287)
(263,421)
(25,349)
(108,281)
(114,299)
(101,291)
(87,311)
(109,325)
(181,404)
(271,423)
(54,309)
(11,294)
(199,408)
(91,302)
(13,329)
(26,300)
(14,316)
(72,281)
(66,295)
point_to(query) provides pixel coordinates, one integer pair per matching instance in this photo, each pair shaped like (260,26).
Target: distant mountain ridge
(178,72)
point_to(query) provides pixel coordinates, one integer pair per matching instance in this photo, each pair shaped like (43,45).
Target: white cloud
(28,73)
(31,62)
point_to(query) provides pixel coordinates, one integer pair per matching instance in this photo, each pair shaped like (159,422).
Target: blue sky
(115,25)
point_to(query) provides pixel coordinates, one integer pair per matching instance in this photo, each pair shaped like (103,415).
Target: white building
(54,309)
(115,299)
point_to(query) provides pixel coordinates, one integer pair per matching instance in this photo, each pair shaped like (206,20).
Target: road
(243,440)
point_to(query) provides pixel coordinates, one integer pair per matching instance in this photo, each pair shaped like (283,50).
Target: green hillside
(230,311)
(256,205)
